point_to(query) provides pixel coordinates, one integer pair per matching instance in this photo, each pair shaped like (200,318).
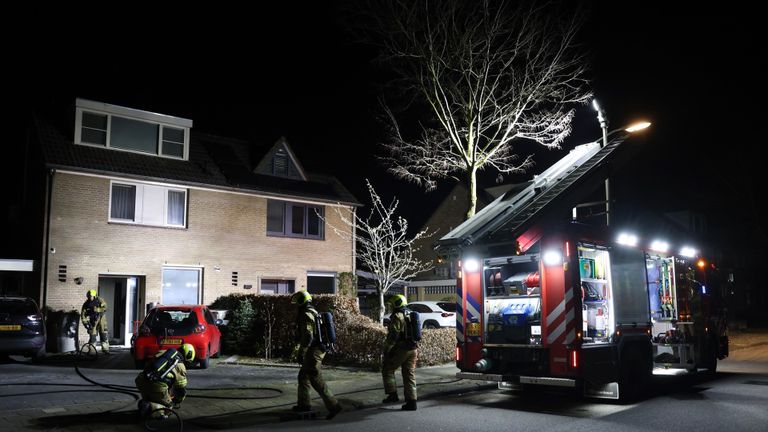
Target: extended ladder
(511,213)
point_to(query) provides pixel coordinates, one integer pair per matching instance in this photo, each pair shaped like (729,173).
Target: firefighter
(400,350)
(94,320)
(310,354)
(163,382)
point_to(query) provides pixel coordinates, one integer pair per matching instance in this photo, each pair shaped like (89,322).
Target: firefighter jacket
(306,328)
(396,333)
(171,389)
(92,310)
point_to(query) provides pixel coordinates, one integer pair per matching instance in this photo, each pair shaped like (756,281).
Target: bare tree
(270,318)
(490,72)
(383,245)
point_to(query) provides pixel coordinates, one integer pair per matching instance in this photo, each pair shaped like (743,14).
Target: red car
(171,326)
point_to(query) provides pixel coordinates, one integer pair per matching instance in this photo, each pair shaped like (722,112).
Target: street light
(601,118)
(637,126)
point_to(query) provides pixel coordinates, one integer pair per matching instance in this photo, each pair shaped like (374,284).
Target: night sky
(261,72)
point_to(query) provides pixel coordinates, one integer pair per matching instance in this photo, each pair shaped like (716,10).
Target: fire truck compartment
(513,300)
(517,360)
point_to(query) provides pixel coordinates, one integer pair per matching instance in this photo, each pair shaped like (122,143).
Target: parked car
(433,314)
(171,326)
(22,328)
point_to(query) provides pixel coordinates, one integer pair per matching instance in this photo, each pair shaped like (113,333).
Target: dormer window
(282,165)
(127,129)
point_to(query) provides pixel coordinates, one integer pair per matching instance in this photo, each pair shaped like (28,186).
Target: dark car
(22,329)
(171,326)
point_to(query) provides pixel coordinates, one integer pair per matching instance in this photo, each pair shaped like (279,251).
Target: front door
(122,295)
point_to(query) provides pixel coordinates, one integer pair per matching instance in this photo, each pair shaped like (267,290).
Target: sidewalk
(355,389)
(230,395)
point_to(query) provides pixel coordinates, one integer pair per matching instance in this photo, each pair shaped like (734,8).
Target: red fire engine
(542,302)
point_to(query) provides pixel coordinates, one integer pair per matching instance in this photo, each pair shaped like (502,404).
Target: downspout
(354,243)
(47,236)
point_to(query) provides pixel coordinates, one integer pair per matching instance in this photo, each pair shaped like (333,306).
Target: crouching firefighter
(92,315)
(314,335)
(163,382)
(401,350)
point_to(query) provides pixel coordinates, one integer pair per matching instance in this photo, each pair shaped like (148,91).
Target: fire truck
(546,301)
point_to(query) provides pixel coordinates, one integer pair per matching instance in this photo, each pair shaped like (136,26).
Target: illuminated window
(145,204)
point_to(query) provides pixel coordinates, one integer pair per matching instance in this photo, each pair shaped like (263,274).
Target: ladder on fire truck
(510,214)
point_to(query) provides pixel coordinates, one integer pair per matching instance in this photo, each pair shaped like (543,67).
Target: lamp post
(632,128)
(604,126)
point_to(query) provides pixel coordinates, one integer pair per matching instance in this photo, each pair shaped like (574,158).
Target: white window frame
(183,267)
(139,207)
(161,120)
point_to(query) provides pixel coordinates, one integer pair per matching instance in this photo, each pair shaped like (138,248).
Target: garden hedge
(359,338)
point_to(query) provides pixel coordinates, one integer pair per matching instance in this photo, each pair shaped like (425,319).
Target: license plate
(10,327)
(170,341)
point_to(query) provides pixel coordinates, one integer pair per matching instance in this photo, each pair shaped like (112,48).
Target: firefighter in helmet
(400,350)
(163,382)
(94,320)
(310,354)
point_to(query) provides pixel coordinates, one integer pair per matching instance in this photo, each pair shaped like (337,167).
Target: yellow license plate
(10,327)
(473,329)
(170,341)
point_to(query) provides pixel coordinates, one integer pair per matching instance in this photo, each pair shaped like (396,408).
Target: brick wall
(225,231)
(448,215)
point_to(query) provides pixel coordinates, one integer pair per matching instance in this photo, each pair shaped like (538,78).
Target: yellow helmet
(301,298)
(398,301)
(91,293)
(189,352)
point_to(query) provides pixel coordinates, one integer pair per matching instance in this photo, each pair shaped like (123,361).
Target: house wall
(225,230)
(449,214)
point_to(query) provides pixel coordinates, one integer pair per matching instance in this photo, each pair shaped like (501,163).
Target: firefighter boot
(301,408)
(333,411)
(391,397)
(409,406)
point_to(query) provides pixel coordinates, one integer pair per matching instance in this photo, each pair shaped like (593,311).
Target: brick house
(146,209)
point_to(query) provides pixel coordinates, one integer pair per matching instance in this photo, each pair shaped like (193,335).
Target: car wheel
(205,362)
(430,325)
(139,364)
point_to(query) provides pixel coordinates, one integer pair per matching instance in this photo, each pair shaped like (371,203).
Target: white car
(433,314)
